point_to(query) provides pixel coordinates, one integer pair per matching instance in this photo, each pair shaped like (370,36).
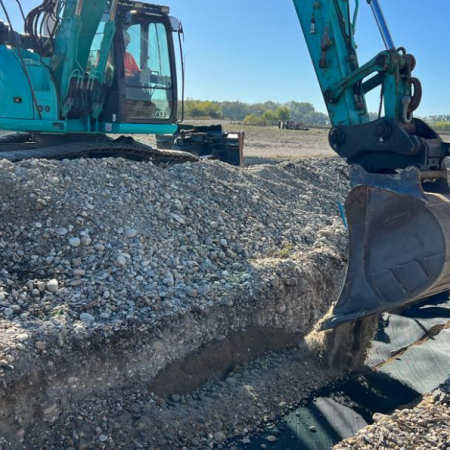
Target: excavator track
(121,148)
(15,138)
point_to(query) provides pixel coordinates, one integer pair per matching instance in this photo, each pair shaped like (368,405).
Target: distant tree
(438,118)
(316,118)
(257,113)
(299,110)
(283,113)
(269,117)
(373,116)
(271,106)
(235,110)
(199,109)
(257,109)
(252,119)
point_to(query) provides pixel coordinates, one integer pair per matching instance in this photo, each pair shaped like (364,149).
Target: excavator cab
(141,70)
(91,68)
(85,70)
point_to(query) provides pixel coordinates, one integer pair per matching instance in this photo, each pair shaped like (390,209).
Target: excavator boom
(398,210)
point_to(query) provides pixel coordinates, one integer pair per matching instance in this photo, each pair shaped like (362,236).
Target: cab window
(147,63)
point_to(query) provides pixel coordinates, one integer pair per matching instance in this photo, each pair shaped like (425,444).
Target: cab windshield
(148,76)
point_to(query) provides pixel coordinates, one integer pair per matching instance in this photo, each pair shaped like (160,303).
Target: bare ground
(266,145)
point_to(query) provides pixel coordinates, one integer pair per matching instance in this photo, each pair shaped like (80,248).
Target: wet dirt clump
(345,347)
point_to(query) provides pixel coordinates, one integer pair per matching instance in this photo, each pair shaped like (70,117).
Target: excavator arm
(72,46)
(399,207)
(396,140)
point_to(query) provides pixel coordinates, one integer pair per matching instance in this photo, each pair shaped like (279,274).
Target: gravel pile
(107,241)
(424,427)
(111,269)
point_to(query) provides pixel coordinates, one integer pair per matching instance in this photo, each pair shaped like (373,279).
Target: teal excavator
(83,70)
(86,69)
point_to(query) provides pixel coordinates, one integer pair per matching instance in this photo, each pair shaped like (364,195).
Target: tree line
(439,122)
(267,113)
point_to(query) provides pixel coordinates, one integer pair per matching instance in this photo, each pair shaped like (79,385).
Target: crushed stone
(110,270)
(425,426)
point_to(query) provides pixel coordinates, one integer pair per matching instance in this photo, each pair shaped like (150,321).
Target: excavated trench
(193,377)
(252,368)
(218,359)
(39,395)
(253,363)
(408,359)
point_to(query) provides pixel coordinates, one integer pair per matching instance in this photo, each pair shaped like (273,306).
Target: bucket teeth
(399,244)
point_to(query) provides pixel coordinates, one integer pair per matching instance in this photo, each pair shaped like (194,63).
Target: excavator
(85,69)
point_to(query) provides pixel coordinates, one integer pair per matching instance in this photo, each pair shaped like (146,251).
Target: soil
(270,145)
(345,347)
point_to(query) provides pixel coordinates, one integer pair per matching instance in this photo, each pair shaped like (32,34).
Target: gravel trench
(111,270)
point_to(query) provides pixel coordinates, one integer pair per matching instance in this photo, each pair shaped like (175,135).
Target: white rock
(85,241)
(130,233)
(62,231)
(178,218)
(121,261)
(74,242)
(23,337)
(87,318)
(52,286)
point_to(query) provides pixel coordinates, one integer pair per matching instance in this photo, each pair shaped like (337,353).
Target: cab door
(149,81)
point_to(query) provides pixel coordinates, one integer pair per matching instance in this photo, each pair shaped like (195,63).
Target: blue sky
(253,50)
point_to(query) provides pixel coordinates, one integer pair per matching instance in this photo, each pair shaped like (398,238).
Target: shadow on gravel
(219,358)
(254,161)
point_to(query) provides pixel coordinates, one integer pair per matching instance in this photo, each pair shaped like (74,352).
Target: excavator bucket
(399,248)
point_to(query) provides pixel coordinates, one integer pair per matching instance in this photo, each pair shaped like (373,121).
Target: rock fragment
(74,242)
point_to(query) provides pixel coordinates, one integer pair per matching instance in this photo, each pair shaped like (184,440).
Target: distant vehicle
(292,125)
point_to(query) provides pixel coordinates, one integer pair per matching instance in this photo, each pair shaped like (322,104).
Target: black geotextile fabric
(410,357)
(401,331)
